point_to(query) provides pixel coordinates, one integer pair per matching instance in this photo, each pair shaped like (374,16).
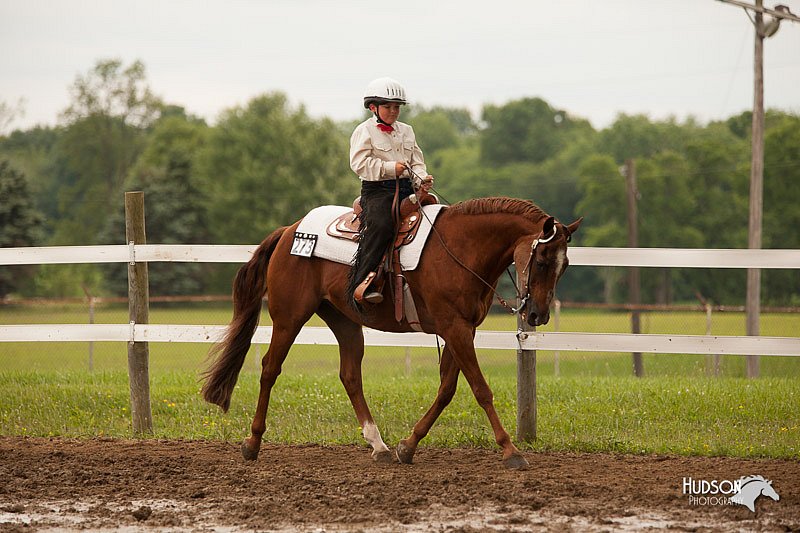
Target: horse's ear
(547,228)
(572,228)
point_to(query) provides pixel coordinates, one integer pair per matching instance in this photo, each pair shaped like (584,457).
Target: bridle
(523,299)
(540,239)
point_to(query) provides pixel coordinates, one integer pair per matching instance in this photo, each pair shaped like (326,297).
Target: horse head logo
(750,488)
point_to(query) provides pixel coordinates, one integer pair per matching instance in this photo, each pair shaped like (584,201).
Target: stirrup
(365,293)
(373,297)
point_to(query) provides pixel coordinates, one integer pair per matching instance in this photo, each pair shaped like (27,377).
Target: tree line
(266,163)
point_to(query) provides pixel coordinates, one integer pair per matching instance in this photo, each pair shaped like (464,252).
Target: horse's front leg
(460,340)
(350,375)
(448,374)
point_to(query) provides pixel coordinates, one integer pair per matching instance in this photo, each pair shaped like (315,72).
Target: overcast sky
(591,58)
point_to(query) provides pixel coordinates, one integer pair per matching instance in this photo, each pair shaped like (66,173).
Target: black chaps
(377,227)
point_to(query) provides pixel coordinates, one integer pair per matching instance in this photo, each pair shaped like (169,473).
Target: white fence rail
(580,256)
(498,340)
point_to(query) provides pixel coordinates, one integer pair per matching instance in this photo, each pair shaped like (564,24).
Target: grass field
(592,405)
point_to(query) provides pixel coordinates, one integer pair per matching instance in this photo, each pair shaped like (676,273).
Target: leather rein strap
(523,299)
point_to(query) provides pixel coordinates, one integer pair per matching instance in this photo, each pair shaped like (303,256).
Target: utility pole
(634,283)
(753,301)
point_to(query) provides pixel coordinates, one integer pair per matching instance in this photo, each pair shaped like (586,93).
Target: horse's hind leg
(351,352)
(448,374)
(282,339)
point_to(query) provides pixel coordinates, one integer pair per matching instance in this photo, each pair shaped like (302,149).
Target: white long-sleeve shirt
(373,153)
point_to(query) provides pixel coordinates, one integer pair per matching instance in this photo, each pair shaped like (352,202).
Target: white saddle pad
(343,251)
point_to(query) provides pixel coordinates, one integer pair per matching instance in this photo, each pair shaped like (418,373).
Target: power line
(783,13)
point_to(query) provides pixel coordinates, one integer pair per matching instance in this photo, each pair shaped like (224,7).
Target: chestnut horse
(472,243)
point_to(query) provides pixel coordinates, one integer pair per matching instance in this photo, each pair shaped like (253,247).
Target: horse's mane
(486,206)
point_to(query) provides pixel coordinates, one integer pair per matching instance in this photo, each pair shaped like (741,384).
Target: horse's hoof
(248,453)
(383,457)
(405,454)
(515,462)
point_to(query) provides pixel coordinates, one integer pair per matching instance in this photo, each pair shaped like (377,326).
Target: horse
(471,244)
(750,488)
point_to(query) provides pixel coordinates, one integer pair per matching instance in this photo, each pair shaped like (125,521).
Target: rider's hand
(427,183)
(399,168)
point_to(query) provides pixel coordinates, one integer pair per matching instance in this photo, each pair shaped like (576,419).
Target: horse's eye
(541,265)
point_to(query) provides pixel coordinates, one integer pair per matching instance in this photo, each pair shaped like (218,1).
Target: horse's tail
(249,287)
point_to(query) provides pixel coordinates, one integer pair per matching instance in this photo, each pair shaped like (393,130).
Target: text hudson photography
(743,491)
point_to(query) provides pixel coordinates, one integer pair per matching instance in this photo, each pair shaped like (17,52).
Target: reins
(523,300)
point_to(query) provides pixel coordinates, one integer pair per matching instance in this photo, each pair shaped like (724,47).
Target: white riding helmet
(384,90)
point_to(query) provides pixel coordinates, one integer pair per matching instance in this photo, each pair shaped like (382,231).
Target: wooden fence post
(557,327)
(138,313)
(526,386)
(634,280)
(91,300)
(91,344)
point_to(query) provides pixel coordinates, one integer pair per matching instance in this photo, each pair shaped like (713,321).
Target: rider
(382,150)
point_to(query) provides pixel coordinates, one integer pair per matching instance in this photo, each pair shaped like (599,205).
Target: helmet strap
(379,119)
(377,115)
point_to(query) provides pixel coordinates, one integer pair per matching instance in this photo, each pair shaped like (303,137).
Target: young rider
(382,150)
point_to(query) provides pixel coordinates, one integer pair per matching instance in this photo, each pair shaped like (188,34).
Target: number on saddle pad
(303,244)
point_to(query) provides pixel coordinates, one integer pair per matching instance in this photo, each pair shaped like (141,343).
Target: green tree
(9,113)
(719,185)
(434,132)
(603,206)
(602,202)
(174,135)
(175,203)
(459,174)
(267,165)
(527,130)
(173,216)
(105,131)
(34,153)
(556,180)
(20,224)
(740,125)
(111,90)
(636,137)
(666,210)
(782,206)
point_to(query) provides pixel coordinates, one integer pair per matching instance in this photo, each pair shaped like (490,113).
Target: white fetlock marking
(373,437)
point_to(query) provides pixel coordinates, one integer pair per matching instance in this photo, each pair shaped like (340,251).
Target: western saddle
(347,227)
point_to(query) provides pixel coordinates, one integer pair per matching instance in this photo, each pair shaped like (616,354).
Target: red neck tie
(385,128)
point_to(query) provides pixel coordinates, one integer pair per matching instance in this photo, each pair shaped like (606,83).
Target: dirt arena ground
(151,485)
